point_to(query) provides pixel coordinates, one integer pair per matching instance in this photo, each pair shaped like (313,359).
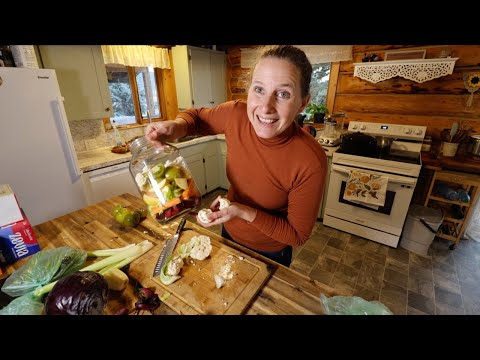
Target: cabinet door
(222,157)
(210,156)
(181,72)
(195,164)
(201,78)
(325,190)
(218,80)
(82,79)
(224,183)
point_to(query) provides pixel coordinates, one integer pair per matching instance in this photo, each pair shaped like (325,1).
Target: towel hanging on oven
(366,188)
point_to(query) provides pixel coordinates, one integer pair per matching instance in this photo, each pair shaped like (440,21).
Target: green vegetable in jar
(158,171)
(172,172)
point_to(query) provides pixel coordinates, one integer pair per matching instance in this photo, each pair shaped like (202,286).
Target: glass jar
(164,180)
(427,143)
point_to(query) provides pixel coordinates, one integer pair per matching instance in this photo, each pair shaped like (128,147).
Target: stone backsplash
(91,134)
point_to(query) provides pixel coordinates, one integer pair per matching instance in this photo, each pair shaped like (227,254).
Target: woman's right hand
(160,132)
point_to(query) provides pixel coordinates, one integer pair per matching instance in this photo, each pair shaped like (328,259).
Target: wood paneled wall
(435,104)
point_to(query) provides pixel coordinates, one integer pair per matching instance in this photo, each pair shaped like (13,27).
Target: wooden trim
(136,100)
(332,85)
(160,95)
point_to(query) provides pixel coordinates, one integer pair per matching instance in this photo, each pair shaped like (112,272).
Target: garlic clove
(224,203)
(219,281)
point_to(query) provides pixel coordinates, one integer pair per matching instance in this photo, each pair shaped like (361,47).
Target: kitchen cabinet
(197,168)
(456,213)
(325,189)
(82,79)
(200,76)
(202,160)
(222,160)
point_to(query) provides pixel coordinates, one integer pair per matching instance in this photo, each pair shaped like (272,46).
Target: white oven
(384,224)
(401,165)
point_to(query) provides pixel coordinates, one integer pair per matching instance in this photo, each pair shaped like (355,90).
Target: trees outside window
(319,83)
(134,91)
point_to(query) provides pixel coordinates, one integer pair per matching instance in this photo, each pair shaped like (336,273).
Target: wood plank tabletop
(285,291)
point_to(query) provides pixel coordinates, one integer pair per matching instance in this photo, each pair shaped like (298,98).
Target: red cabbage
(81,293)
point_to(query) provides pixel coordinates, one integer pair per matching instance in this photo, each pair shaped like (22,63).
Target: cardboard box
(17,238)
(9,210)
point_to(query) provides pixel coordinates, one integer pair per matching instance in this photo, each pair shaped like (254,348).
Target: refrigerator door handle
(68,147)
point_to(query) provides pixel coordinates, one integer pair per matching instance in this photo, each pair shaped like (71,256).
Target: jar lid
(138,144)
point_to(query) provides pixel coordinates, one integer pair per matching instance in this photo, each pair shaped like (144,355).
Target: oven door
(388,218)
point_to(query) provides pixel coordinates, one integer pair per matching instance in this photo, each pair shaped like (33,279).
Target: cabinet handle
(107,109)
(212,102)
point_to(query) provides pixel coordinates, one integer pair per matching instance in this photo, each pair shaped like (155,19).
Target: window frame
(139,120)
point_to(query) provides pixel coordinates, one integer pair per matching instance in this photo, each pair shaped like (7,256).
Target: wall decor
(472,84)
(418,70)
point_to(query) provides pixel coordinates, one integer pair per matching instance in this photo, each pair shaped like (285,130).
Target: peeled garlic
(202,215)
(224,203)
(219,281)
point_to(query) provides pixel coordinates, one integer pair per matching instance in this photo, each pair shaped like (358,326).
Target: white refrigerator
(37,157)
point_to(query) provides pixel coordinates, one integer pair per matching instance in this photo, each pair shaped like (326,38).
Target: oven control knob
(407,131)
(354,127)
(327,141)
(363,127)
(418,132)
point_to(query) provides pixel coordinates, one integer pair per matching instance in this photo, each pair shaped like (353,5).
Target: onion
(81,293)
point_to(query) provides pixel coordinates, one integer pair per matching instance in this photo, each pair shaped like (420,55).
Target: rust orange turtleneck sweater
(283,177)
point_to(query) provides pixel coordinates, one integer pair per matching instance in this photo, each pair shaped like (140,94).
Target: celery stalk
(145,246)
(108,252)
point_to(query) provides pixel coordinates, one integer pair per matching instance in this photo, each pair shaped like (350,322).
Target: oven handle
(391,178)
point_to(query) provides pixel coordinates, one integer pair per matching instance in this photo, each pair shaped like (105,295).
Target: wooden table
(285,292)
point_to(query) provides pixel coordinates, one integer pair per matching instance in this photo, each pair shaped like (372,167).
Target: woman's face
(274,97)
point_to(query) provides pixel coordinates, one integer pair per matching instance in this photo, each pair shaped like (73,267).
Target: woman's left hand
(234,210)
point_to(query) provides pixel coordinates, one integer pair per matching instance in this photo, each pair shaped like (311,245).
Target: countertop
(284,292)
(99,158)
(459,163)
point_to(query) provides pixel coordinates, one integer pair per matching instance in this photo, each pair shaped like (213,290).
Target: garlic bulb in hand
(202,215)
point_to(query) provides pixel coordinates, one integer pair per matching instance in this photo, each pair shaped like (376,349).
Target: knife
(168,248)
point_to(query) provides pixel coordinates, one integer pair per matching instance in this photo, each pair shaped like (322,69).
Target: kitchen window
(319,83)
(134,91)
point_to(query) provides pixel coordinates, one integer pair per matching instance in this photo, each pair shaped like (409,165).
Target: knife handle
(181,225)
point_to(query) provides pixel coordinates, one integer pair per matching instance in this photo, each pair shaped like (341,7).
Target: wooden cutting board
(197,287)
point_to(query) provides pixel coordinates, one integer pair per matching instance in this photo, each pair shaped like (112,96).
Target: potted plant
(316,112)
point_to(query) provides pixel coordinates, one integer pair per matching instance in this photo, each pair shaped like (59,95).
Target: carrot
(191,191)
(172,202)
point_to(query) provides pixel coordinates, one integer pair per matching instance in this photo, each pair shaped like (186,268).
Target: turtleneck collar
(281,139)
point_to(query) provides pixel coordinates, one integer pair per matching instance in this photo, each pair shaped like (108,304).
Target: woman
(276,170)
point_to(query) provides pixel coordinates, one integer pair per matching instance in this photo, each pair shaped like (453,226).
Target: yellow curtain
(136,55)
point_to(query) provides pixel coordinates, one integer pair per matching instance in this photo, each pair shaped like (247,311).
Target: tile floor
(446,282)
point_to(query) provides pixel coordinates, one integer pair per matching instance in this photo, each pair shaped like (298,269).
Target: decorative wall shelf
(418,70)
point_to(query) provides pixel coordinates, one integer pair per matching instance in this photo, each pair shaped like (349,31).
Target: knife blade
(168,248)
